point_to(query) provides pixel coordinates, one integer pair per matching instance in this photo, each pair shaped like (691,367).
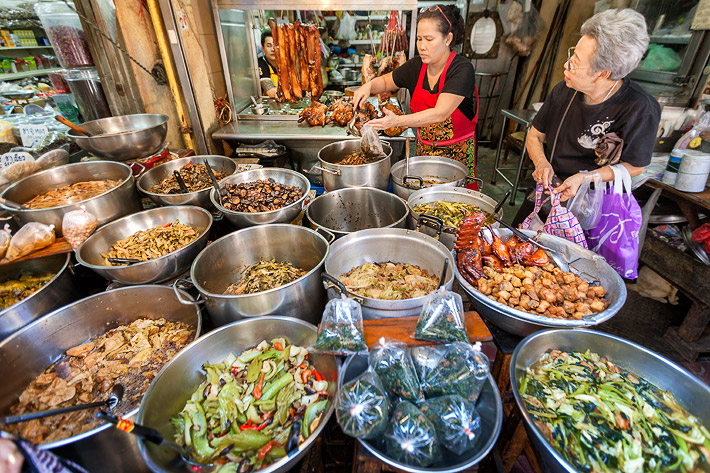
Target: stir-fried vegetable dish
(263,276)
(152,243)
(389,281)
(254,408)
(602,418)
(14,290)
(195,176)
(451,213)
(71,194)
(130,355)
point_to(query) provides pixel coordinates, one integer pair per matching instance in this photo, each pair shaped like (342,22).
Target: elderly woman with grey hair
(595,107)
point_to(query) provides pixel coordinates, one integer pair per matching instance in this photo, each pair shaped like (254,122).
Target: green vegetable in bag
(410,438)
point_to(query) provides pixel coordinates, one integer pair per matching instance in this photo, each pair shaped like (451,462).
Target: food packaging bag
(31,237)
(586,205)
(392,363)
(452,368)
(362,407)
(5,237)
(78,225)
(370,142)
(533,221)
(410,438)
(340,331)
(562,223)
(456,421)
(442,318)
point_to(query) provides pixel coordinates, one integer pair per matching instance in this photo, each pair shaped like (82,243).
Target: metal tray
(694,246)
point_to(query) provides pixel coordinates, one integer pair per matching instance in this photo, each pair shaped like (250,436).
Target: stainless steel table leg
(500,145)
(520,169)
(646,214)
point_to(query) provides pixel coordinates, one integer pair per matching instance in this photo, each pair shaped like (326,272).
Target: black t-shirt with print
(264,72)
(631,113)
(460,80)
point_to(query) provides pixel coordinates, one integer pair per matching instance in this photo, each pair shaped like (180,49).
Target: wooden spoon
(71,125)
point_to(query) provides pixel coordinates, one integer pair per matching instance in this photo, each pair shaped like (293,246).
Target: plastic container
(63,28)
(85,84)
(58,84)
(671,173)
(693,172)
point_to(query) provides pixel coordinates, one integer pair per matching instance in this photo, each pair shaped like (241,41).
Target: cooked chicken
(342,112)
(394,131)
(314,114)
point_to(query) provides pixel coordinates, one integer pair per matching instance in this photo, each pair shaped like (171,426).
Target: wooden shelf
(9,48)
(22,75)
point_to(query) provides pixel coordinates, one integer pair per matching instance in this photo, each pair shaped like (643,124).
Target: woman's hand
(10,458)
(389,120)
(543,174)
(569,188)
(361,94)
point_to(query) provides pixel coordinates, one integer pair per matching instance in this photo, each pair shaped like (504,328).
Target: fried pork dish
(195,176)
(71,194)
(15,290)
(130,355)
(389,281)
(152,243)
(357,158)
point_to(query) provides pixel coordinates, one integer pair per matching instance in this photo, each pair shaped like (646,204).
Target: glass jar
(63,28)
(85,85)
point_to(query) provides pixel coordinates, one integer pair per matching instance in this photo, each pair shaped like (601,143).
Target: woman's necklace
(610,90)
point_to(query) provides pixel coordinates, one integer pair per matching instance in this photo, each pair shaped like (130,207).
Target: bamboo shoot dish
(254,408)
(152,243)
(602,418)
(263,276)
(71,194)
(15,290)
(451,213)
(389,281)
(195,176)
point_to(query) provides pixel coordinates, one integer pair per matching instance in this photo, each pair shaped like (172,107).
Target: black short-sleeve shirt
(460,80)
(631,113)
(264,72)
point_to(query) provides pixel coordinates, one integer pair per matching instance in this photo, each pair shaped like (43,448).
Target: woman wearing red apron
(444,101)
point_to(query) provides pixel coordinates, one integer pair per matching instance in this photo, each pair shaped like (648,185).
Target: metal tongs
(351,124)
(181,182)
(214,182)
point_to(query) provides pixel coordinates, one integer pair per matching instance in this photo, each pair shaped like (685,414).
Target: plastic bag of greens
(78,225)
(455,420)
(392,363)
(362,407)
(340,330)
(370,142)
(31,237)
(442,318)
(410,437)
(5,237)
(453,368)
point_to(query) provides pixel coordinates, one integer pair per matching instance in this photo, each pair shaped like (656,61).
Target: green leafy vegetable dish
(254,408)
(602,418)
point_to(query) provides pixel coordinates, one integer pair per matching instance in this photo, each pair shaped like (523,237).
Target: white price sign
(8,159)
(32,135)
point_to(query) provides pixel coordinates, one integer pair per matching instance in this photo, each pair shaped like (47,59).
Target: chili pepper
(248,425)
(262,426)
(235,371)
(167,224)
(196,468)
(323,393)
(257,388)
(187,166)
(303,365)
(263,451)
(278,346)
(267,415)
(304,375)
(318,376)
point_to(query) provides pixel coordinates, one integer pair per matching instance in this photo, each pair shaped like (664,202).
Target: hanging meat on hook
(298,57)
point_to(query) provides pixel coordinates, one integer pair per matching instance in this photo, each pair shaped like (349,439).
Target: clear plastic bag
(362,407)
(370,142)
(20,170)
(442,318)
(5,237)
(340,330)
(347,27)
(31,237)
(410,437)
(392,363)
(456,421)
(78,225)
(452,368)
(586,205)
(525,25)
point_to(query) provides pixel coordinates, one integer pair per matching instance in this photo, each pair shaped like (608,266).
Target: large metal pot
(178,379)
(32,349)
(356,208)
(489,406)
(154,270)
(112,204)
(57,292)
(221,263)
(283,215)
(388,244)
(201,198)
(689,391)
(427,171)
(432,226)
(584,261)
(338,176)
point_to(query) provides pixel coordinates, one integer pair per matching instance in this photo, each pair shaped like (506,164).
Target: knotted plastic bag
(370,143)
(362,407)
(410,437)
(453,368)
(442,318)
(533,221)
(562,223)
(78,225)
(393,365)
(346,30)
(586,205)
(31,237)
(340,330)
(456,421)
(5,237)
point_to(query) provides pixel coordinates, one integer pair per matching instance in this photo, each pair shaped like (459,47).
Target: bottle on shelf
(693,139)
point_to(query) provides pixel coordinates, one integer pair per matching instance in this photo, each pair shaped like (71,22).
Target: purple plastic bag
(616,236)
(562,223)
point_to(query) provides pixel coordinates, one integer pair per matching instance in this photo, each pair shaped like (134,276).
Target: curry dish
(15,290)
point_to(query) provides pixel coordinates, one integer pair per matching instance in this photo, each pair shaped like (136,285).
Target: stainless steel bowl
(339,176)
(283,215)
(522,323)
(124,137)
(178,379)
(446,233)
(444,171)
(388,244)
(57,292)
(689,391)
(112,204)
(200,198)
(489,407)
(221,263)
(154,270)
(32,349)
(260,110)
(344,211)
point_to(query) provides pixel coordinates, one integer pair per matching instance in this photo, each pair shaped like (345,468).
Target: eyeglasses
(568,64)
(434,8)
